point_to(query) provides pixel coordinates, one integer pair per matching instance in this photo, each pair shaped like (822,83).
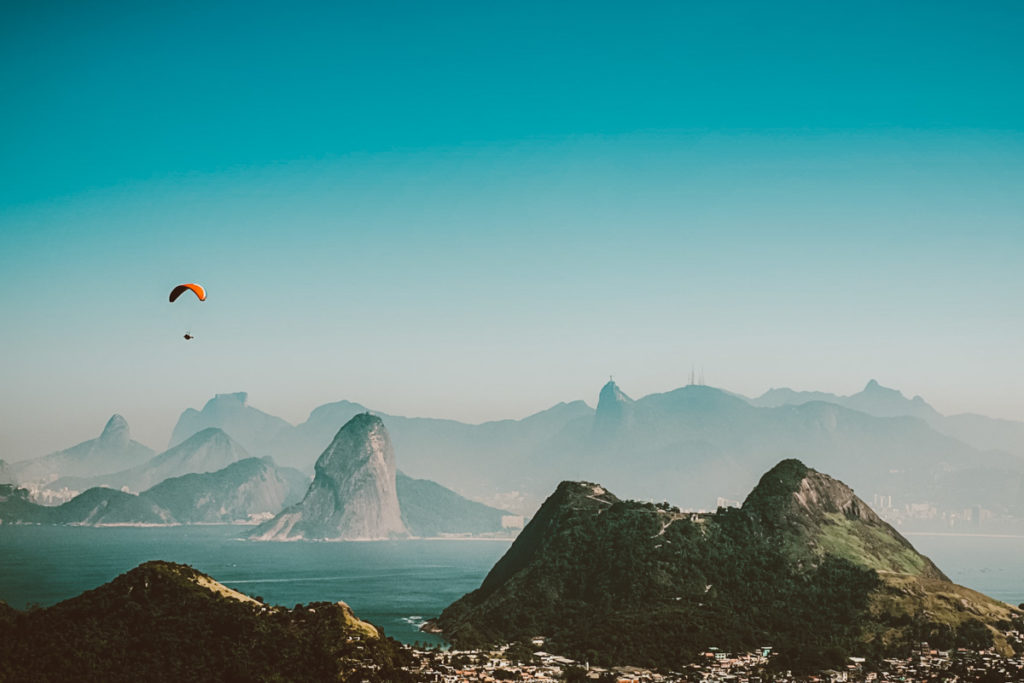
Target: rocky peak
(353,494)
(824,515)
(819,491)
(611,398)
(361,441)
(873,387)
(579,493)
(792,488)
(115,433)
(214,436)
(613,412)
(239,398)
(252,428)
(571,501)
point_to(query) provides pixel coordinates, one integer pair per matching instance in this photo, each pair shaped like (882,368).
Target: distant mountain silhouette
(874,399)
(113,450)
(243,490)
(614,413)
(247,489)
(230,412)
(206,451)
(446,451)
(984,433)
(690,446)
(429,509)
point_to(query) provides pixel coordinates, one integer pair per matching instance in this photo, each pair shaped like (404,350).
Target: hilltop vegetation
(168,622)
(804,566)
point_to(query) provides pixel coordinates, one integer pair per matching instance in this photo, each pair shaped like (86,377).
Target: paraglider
(190,286)
(198,290)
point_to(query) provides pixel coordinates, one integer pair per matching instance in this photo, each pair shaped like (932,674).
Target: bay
(393,584)
(990,564)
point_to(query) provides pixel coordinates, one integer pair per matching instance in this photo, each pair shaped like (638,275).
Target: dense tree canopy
(156,623)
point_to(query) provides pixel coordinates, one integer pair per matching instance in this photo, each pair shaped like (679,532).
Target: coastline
(171,525)
(955,534)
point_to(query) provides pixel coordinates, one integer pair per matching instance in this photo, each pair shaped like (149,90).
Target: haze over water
(395,585)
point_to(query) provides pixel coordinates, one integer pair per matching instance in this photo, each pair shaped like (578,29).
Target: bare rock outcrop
(353,494)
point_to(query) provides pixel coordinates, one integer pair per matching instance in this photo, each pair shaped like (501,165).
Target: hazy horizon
(161,433)
(476,212)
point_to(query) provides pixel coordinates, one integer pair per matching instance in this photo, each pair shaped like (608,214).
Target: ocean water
(993,565)
(393,584)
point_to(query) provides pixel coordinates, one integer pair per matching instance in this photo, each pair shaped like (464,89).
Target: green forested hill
(804,566)
(168,622)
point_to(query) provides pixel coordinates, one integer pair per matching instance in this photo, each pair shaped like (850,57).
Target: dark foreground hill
(804,565)
(169,622)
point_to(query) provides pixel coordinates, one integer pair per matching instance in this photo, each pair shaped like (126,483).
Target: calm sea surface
(993,565)
(394,584)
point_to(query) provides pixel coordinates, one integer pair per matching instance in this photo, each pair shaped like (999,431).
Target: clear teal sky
(476,210)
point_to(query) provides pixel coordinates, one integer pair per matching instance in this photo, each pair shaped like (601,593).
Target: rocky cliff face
(353,494)
(819,516)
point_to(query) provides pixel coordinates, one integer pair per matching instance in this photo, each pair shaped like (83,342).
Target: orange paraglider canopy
(181,289)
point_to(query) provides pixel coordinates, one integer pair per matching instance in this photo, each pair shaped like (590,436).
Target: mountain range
(245,490)
(447,451)
(684,444)
(804,565)
(982,432)
(358,493)
(680,445)
(205,451)
(111,451)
